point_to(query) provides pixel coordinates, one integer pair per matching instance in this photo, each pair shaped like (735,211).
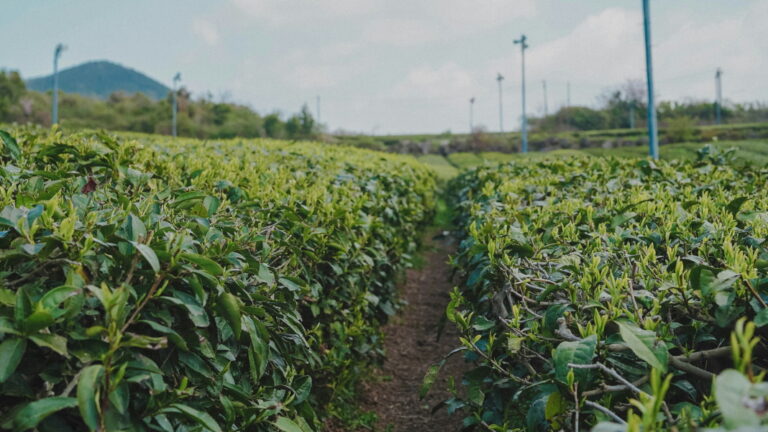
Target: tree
(12,88)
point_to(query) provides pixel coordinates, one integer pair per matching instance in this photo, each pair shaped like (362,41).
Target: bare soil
(411,347)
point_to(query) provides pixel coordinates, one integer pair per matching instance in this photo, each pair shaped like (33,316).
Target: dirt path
(411,347)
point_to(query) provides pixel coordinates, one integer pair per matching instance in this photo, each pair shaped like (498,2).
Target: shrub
(181,285)
(608,290)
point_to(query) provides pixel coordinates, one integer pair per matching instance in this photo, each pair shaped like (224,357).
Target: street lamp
(56,54)
(176,79)
(523,42)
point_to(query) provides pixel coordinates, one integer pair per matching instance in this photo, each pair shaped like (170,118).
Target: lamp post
(500,78)
(55,108)
(653,135)
(471,114)
(523,42)
(176,79)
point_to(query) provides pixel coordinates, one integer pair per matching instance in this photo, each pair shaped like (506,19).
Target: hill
(100,79)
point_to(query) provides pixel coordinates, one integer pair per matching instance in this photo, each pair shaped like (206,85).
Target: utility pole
(546,104)
(55,106)
(719,96)
(523,41)
(500,78)
(317,102)
(471,114)
(176,79)
(632,114)
(653,135)
(568,94)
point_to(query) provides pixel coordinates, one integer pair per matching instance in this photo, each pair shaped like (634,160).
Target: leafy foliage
(186,286)
(610,291)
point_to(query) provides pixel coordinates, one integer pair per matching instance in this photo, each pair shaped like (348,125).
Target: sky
(401,66)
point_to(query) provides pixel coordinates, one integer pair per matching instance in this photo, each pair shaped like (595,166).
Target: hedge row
(614,294)
(185,285)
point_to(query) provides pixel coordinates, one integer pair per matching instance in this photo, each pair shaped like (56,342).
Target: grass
(442,167)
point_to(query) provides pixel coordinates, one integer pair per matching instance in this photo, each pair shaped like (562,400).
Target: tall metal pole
(653,135)
(568,93)
(176,79)
(719,96)
(55,105)
(471,114)
(318,108)
(500,78)
(523,46)
(546,104)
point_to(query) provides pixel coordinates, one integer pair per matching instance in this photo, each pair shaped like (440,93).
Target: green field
(754,152)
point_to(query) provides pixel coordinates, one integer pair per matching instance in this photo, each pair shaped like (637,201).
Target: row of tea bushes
(179,285)
(615,294)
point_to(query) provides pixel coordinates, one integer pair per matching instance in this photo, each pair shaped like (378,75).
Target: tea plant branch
(691,369)
(755,294)
(605,411)
(704,355)
(158,280)
(605,388)
(624,381)
(495,365)
(627,384)
(42,266)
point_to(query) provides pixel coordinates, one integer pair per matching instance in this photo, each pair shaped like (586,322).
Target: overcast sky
(396,66)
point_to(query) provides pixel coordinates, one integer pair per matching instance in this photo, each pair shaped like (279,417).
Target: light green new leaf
(645,345)
(87,389)
(11,352)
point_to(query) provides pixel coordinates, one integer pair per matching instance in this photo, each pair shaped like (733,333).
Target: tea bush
(612,293)
(186,285)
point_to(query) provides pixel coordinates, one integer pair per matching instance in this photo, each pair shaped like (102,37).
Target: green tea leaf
(576,352)
(11,146)
(645,345)
(31,414)
(202,418)
(11,352)
(206,264)
(148,255)
(87,393)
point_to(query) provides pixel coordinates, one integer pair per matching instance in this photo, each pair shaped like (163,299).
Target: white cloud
(281,12)
(206,31)
(604,48)
(400,32)
(446,81)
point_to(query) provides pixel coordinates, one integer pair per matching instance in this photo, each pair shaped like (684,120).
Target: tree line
(625,107)
(200,117)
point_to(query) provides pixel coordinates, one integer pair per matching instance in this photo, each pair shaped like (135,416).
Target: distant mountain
(100,79)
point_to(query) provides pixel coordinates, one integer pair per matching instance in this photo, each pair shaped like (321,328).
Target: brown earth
(410,341)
